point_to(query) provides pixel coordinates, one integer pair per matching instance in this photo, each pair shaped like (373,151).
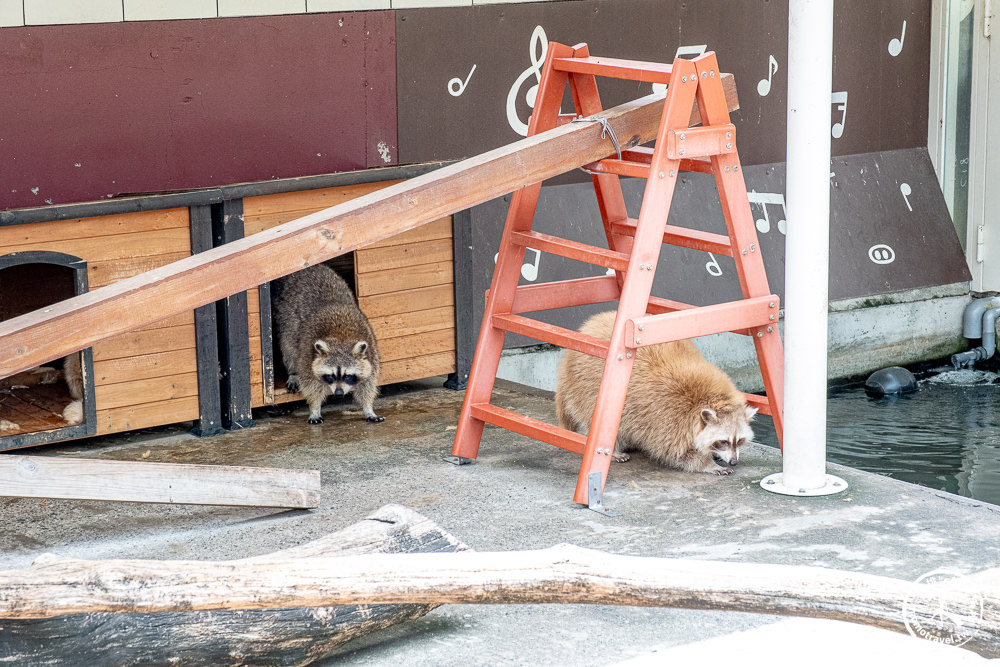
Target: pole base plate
(775,484)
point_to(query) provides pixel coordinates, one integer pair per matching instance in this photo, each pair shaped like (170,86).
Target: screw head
(770,305)
(703,75)
(744,251)
(671,174)
(628,355)
(641,327)
(771,318)
(712,74)
(726,168)
(638,341)
(770,481)
(661,174)
(760,334)
(728,134)
(752,247)
(736,167)
(770,330)
(729,144)
(683,136)
(684,79)
(620,357)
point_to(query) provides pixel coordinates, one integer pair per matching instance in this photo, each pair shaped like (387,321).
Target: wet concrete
(517,495)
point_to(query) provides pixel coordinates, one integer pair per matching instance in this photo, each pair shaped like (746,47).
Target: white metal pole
(807,251)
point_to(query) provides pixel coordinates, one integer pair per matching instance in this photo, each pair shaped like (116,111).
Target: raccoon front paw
(292,384)
(723,471)
(620,457)
(374,418)
(314,420)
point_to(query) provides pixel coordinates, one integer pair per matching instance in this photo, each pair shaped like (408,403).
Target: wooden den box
(404,284)
(148,377)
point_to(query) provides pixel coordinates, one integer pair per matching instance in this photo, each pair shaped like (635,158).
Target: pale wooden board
(406,324)
(408,301)
(139,392)
(92,479)
(368,260)
(266,211)
(117,247)
(403,347)
(104,273)
(88,228)
(151,341)
(402,370)
(131,417)
(145,367)
(424,275)
(439,229)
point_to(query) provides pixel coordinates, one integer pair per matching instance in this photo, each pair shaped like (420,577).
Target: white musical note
(881,254)
(537,50)
(691,50)
(896,45)
(528,270)
(906,191)
(713,267)
(764,85)
(456,86)
(762,199)
(840,99)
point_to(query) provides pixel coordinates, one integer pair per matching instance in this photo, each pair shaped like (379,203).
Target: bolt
(744,251)
(681,151)
(620,357)
(802,491)
(729,144)
(752,247)
(684,79)
(712,74)
(772,318)
(760,334)
(638,341)
(683,136)
(770,305)
(671,174)
(836,483)
(703,75)
(641,327)
(770,329)
(661,174)
(736,167)
(726,168)
(728,134)
(628,354)
(770,481)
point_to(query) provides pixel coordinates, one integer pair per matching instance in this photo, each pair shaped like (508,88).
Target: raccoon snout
(338,392)
(722,461)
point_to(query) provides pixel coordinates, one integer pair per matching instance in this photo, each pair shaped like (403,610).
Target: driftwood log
(561,574)
(229,636)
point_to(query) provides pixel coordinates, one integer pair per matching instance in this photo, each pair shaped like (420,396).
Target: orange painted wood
(35,338)
(762,403)
(581,252)
(616,68)
(684,237)
(566,338)
(702,321)
(528,426)
(568,293)
(693,142)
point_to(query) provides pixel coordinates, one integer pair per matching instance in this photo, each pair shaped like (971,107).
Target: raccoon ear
(359,348)
(708,416)
(751,413)
(321,347)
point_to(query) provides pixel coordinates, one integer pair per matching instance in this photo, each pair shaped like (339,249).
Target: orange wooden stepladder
(633,250)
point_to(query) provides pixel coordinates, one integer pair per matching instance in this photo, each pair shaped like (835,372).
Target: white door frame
(982,238)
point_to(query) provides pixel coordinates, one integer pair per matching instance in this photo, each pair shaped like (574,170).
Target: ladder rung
(565,294)
(733,316)
(581,252)
(572,340)
(619,168)
(684,237)
(615,68)
(762,403)
(528,426)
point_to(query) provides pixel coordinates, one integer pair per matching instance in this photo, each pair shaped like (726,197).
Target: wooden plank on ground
(399,256)
(79,322)
(183,483)
(408,301)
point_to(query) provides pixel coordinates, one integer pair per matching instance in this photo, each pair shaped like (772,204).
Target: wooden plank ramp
(81,321)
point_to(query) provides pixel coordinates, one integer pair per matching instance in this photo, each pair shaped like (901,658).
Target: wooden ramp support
(633,247)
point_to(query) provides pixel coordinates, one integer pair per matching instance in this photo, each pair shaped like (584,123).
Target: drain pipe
(979,321)
(807,252)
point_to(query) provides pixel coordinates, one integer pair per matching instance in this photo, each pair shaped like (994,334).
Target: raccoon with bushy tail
(327,343)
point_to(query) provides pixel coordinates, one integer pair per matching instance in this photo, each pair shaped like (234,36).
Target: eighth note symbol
(456,86)
(896,44)
(840,99)
(905,189)
(764,85)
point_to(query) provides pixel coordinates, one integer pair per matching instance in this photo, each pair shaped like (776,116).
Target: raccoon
(73,374)
(327,343)
(680,410)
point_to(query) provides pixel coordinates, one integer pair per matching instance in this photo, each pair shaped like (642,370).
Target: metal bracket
(595,497)
(458,460)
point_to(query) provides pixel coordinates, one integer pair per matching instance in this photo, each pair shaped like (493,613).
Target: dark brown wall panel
(438,48)
(95,110)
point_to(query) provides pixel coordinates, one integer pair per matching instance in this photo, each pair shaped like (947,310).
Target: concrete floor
(517,495)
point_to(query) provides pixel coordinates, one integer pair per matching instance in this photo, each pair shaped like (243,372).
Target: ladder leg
(771,356)
(483,373)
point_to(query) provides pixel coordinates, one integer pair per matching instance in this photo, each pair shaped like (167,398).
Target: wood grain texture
(561,574)
(144,482)
(79,322)
(295,636)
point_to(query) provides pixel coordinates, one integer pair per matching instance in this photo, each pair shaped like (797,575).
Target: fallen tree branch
(561,574)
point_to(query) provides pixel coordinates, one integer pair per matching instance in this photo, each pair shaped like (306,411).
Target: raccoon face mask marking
(722,436)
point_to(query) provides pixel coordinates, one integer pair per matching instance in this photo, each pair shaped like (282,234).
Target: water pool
(946,435)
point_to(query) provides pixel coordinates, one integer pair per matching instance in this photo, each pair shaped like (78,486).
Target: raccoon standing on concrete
(680,410)
(327,343)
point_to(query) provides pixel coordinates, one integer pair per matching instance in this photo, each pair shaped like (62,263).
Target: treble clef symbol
(537,51)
